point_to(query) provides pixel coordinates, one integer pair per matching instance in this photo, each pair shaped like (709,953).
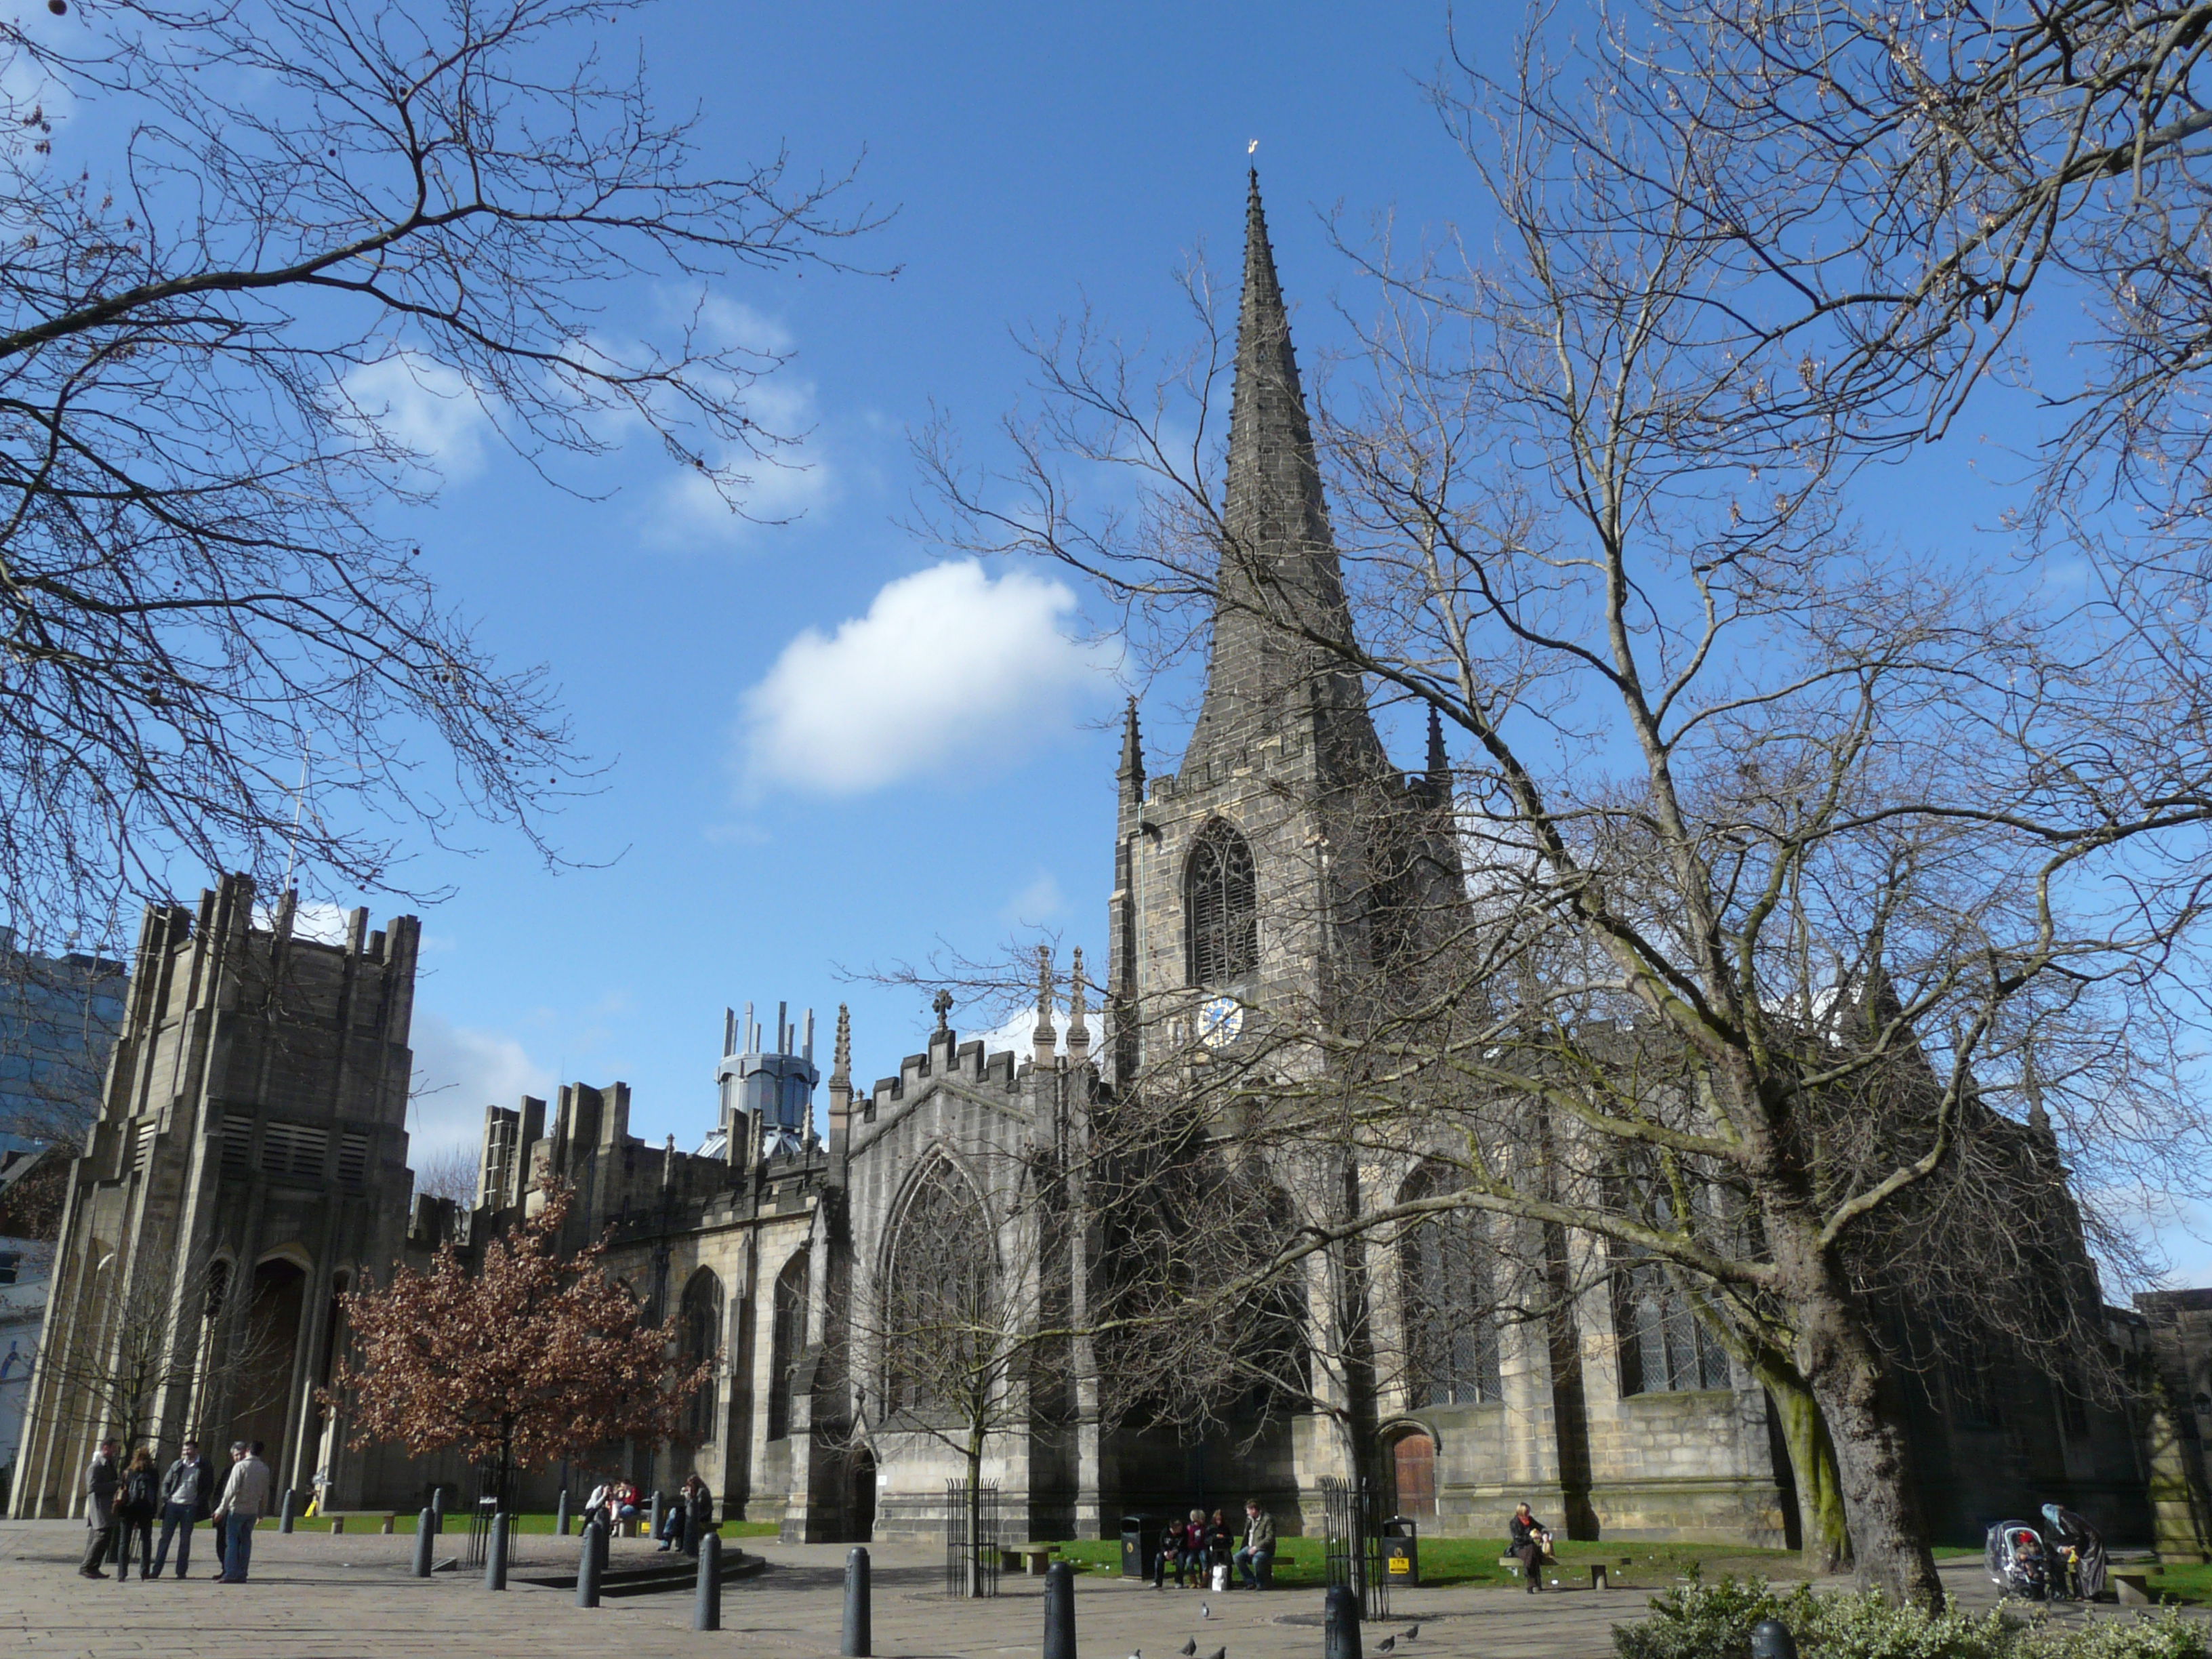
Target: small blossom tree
(536,1356)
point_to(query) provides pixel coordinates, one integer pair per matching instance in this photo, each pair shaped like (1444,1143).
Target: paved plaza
(316,1596)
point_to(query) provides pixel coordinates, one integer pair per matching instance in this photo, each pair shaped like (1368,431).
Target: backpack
(142,1492)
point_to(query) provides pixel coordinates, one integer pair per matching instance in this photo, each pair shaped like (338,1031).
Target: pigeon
(1205,1610)
(1218,1653)
(1188,1648)
(1386,1644)
(1412,1633)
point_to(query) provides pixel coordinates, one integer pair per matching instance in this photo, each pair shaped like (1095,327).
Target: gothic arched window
(940,1298)
(1221,907)
(702,1333)
(1449,1285)
(786,1342)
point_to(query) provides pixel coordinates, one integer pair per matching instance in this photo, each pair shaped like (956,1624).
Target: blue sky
(832,744)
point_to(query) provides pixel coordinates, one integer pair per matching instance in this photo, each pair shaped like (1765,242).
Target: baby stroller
(2020,1564)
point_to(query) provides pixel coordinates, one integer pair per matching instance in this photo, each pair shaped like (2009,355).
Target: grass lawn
(373,1521)
(1445,1561)
(2191,1585)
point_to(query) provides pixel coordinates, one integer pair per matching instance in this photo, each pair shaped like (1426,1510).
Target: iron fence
(1352,1515)
(495,1494)
(971,1565)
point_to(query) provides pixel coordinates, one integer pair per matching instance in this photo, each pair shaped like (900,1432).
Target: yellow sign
(1401,1563)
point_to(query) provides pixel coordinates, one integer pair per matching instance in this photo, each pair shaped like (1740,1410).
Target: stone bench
(1031,1558)
(2133,1589)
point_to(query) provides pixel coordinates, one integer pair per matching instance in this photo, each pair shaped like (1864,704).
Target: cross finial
(942,1002)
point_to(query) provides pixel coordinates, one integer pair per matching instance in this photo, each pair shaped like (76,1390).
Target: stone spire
(840,1095)
(1279,583)
(1439,761)
(1045,1039)
(1131,769)
(840,1065)
(1079,1031)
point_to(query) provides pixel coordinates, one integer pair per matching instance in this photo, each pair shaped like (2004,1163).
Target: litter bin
(1401,1551)
(1137,1548)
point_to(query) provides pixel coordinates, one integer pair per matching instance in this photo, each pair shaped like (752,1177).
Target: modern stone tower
(249,1163)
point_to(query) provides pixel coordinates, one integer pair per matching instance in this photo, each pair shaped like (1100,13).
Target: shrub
(1714,1621)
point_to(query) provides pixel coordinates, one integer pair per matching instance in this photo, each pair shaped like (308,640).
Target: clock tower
(1256,884)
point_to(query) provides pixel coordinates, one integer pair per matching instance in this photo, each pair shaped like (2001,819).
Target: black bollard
(1770,1639)
(859,1633)
(285,1516)
(426,1534)
(1059,1611)
(656,1517)
(690,1530)
(587,1569)
(561,1514)
(437,1510)
(496,1556)
(1340,1625)
(707,1600)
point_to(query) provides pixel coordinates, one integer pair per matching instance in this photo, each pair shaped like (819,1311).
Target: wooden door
(1413,1461)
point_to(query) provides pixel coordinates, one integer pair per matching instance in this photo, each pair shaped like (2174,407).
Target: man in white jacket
(244,1500)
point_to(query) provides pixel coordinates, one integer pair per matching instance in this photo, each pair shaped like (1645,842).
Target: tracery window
(1221,907)
(1664,1347)
(786,1342)
(1448,1290)
(940,1296)
(702,1329)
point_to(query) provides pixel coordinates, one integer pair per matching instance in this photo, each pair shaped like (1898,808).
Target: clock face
(1219,1020)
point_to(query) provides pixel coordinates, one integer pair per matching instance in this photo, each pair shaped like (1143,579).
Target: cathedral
(249,1167)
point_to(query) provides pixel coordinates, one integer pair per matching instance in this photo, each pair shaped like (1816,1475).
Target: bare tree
(159,1343)
(452,1175)
(961,1330)
(246,240)
(1805,893)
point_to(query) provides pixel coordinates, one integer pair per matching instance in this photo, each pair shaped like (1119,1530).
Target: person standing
(244,1500)
(186,1491)
(136,1505)
(101,1481)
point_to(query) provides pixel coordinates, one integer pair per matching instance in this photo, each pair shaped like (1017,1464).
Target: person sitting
(1220,1545)
(1191,1553)
(1530,1543)
(670,1532)
(1256,1560)
(1169,1557)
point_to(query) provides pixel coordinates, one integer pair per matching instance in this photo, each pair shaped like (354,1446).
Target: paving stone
(316,1596)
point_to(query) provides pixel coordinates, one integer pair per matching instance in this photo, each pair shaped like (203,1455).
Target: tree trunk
(1845,1371)
(1827,1545)
(974,1567)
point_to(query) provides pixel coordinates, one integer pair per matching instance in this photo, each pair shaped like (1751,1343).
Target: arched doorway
(261,1403)
(1413,1476)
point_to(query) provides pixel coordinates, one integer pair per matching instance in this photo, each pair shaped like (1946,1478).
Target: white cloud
(1037,904)
(323,923)
(425,406)
(459,1070)
(792,477)
(946,663)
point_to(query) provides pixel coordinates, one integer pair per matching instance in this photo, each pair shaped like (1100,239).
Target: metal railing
(1352,1520)
(971,1565)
